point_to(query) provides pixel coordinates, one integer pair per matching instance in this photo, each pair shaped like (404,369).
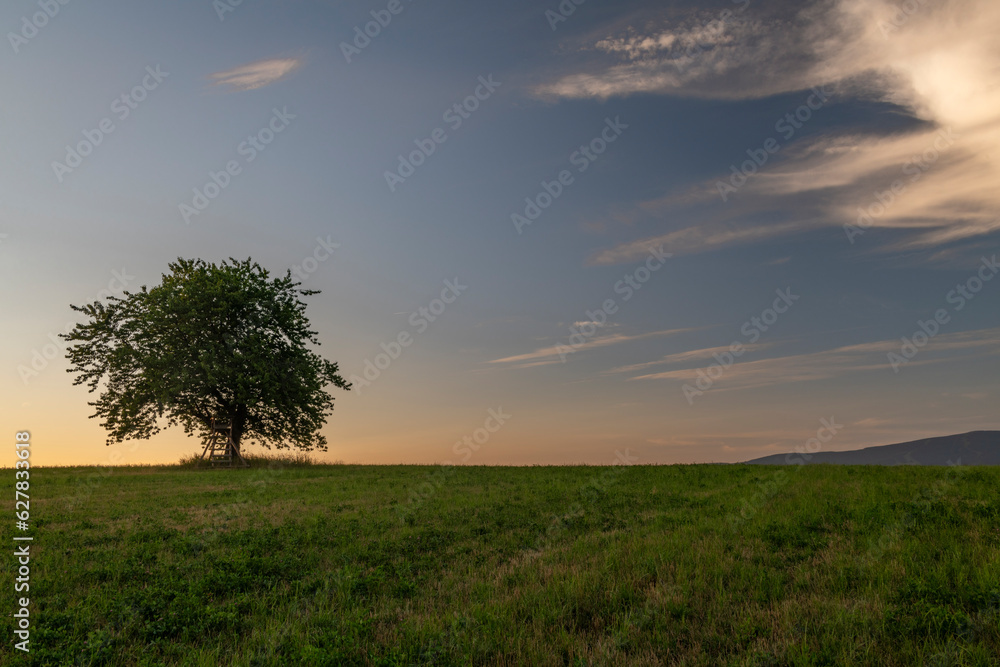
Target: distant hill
(976,448)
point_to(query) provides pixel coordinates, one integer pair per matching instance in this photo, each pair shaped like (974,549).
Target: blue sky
(742,139)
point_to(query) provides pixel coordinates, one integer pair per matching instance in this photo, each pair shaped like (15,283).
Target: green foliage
(211,341)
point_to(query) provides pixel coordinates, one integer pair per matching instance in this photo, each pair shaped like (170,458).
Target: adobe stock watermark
(85,486)
(921,502)
(582,158)
(454,116)
(963,293)
(40,358)
(223,7)
(254,484)
(248,149)
(562,12)
(591,492)
(752,330)
(321,252)
(799,457)
(915,168)
(709,34)
(466,448)
(683,47)
(31,25)
(787,126)
(630,283)
(122,107)
(900,16)
(372,29)
(420,320)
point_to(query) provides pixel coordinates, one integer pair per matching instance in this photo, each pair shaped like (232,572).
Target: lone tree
(210,343)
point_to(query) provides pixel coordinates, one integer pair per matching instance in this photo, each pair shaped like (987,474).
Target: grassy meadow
(292,564)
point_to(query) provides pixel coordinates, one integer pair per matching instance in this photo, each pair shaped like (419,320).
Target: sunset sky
(689,231)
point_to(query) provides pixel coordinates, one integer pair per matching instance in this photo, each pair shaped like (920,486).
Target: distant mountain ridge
(975,448)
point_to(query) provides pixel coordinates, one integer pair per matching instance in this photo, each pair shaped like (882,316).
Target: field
(424,565)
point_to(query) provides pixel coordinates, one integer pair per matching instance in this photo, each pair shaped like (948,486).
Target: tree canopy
(210,342)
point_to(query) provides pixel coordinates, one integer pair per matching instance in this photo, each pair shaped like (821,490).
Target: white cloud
(938,63)
(701,238)
(703,354)
(834,363)
(256,74)
(551,354)
(722,55)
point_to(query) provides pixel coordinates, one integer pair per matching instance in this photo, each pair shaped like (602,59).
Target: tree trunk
(239,421)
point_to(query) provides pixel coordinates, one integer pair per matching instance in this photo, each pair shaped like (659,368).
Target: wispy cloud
(701,238)
(703,354)
(256,74)
(551,354)
(936,63)
(832,363)
(733,54)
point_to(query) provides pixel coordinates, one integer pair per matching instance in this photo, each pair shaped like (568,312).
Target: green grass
(421,565)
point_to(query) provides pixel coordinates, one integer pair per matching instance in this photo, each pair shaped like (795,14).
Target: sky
(675,232)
